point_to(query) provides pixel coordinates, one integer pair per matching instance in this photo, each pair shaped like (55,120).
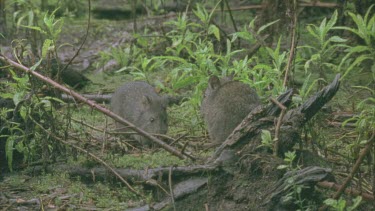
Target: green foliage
(267,140)
(121,56)
(340,204)
(17,91)
(323,48)
(28,108)
(52,31)
(289,158)
(364,123)
(25,16)
(305,90)
(270,74)
(295,195)
(363,56)
(366,31)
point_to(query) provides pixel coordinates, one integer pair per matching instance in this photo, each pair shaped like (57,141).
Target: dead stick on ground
(96,107)
(354,170)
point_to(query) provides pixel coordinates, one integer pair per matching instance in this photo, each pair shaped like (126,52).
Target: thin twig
(232,19)
(84,39)
(293,43)
(171,187)
(278,125)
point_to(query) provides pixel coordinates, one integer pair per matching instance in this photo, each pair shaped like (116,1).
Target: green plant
(305,90)
(23,135)
(289,158)
(340,204)
(52,30)
(366,31)
(295,193)
(261,75)
(16,91)
(267,140)
(320,60)
(266,75)
(364,122)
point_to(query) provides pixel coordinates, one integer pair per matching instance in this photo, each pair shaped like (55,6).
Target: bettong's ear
(146,100)
(214,82)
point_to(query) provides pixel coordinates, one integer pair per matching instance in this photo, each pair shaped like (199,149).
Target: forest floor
(239,189)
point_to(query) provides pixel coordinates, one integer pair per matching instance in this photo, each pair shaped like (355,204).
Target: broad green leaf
(266,136)
(312,31)
(360,25)
(331,22)
(23,112)
(201,13)
(47,21)
(212,29)
(47,43)
(17,97)
(322,30)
